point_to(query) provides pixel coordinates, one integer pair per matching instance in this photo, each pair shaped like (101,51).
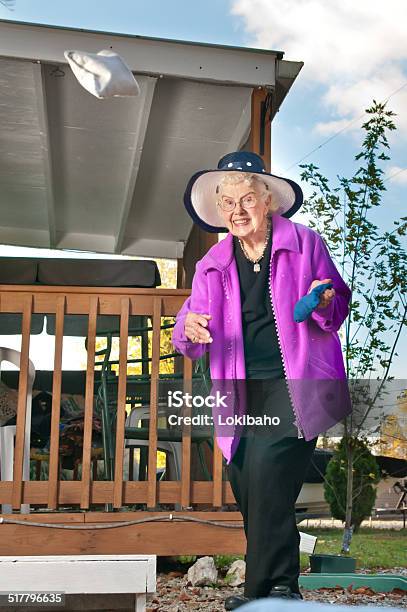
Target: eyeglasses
(228,204)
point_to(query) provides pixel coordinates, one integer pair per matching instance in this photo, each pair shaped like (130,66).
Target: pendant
(256,267)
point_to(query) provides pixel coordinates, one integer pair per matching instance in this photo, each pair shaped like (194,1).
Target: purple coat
(311,350)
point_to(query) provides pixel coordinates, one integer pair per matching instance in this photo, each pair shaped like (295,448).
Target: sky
(353,52)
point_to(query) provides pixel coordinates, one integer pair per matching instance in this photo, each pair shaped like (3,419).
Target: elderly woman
(241,309)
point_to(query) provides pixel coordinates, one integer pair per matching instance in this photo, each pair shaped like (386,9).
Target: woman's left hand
(326,296)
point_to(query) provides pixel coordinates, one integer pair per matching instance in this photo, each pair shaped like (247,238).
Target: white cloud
(397,175)
(329,127)
(355,50)
(350,98)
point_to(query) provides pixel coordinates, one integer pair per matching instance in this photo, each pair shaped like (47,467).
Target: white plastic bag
(103,74)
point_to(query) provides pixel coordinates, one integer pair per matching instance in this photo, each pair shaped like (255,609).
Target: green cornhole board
(381,583)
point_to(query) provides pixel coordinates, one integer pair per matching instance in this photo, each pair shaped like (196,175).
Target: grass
(372,548)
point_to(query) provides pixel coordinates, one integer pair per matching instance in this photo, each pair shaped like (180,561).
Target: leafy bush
(366,474)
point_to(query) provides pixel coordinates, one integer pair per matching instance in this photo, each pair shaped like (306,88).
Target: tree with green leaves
(374,265)
(366,474)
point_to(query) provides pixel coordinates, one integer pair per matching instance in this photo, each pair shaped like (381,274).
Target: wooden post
(154,399)
(89,397)
(186,441)
(54,471)
(180,273)
(198,243)
(260,133)
(17,491)
(121,403)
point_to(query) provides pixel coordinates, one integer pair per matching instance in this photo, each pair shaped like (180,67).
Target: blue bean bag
(308,303)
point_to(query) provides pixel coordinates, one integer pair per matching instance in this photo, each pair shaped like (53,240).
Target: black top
(262,352)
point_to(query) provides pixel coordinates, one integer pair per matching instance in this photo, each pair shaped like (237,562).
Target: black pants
(266,475)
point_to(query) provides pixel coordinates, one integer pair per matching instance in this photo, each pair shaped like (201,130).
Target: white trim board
(81,574)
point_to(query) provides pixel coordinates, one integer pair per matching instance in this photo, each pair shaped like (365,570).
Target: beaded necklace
(256,262)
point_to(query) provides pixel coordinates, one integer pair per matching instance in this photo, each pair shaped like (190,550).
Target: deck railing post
(89,395)
(217,499)
(53,472)
(186,440)
(154,391)
(17,495)
(121,403)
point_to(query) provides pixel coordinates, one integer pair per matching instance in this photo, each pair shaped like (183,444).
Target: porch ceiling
(108,175)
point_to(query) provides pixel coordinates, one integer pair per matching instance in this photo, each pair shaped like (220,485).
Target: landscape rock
(203,572)
(236,573)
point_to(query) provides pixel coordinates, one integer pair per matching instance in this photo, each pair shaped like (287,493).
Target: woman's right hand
(195,328)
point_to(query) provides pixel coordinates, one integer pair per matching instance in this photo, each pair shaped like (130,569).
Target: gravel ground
(175,595)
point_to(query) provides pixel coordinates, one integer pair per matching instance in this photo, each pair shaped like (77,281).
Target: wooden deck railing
(53,493)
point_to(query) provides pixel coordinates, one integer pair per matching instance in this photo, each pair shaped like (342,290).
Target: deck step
(81,575)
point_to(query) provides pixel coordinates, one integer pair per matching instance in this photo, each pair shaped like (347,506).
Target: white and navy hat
(200,194)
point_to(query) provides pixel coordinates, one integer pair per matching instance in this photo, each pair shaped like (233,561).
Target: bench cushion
(79,272)
(99,273)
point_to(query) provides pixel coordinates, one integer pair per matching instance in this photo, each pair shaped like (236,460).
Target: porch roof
(108,175)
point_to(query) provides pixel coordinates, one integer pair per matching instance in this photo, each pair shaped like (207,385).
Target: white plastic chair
(175,448)
(8,432)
